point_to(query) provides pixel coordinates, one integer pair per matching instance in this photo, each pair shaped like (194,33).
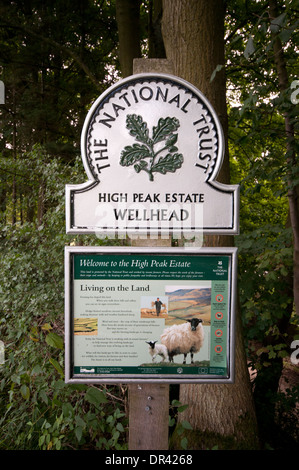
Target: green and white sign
(152,147)
(156,316)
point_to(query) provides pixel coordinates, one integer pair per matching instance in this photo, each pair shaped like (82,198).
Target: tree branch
(291,155)
(59,46)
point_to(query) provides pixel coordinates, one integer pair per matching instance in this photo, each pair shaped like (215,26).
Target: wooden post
(148,416)
(149,402)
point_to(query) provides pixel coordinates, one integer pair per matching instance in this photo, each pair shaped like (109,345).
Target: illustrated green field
(85,326)
(180,311)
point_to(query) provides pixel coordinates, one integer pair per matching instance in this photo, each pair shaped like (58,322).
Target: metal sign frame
(105,290)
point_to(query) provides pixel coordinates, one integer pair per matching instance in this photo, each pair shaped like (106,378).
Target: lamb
(183,339)
(157,350)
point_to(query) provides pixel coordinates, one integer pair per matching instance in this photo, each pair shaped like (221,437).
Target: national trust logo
(167,118)
(146,156)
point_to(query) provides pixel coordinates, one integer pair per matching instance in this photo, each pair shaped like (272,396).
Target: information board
(123,305)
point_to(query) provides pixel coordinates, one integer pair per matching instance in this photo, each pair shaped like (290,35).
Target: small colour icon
(219,315)
(218,333)
(218,349)
(219,298)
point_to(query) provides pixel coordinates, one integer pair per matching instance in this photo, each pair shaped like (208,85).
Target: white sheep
(183,339)
(157,350)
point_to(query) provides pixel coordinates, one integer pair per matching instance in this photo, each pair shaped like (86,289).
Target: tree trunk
(156,47)
(193,33)
(41,203)
(127,17)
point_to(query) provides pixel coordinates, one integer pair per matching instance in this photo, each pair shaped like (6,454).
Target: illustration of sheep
(183,339)
(157,350)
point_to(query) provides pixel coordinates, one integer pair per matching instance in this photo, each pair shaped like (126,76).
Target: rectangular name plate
(149,315)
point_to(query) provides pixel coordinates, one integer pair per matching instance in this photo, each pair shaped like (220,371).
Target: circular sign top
(152,128)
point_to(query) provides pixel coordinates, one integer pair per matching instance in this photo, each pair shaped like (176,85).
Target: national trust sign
(152,147)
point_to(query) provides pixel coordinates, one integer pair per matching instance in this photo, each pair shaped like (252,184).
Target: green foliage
(264,161)
(38,410)
(55,59)
(182,426)
(265,297)
(53,67)
(287,414)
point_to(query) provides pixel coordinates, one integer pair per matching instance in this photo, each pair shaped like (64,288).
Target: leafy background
(55,59)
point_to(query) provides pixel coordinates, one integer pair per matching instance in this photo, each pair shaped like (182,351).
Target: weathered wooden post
(149,403)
